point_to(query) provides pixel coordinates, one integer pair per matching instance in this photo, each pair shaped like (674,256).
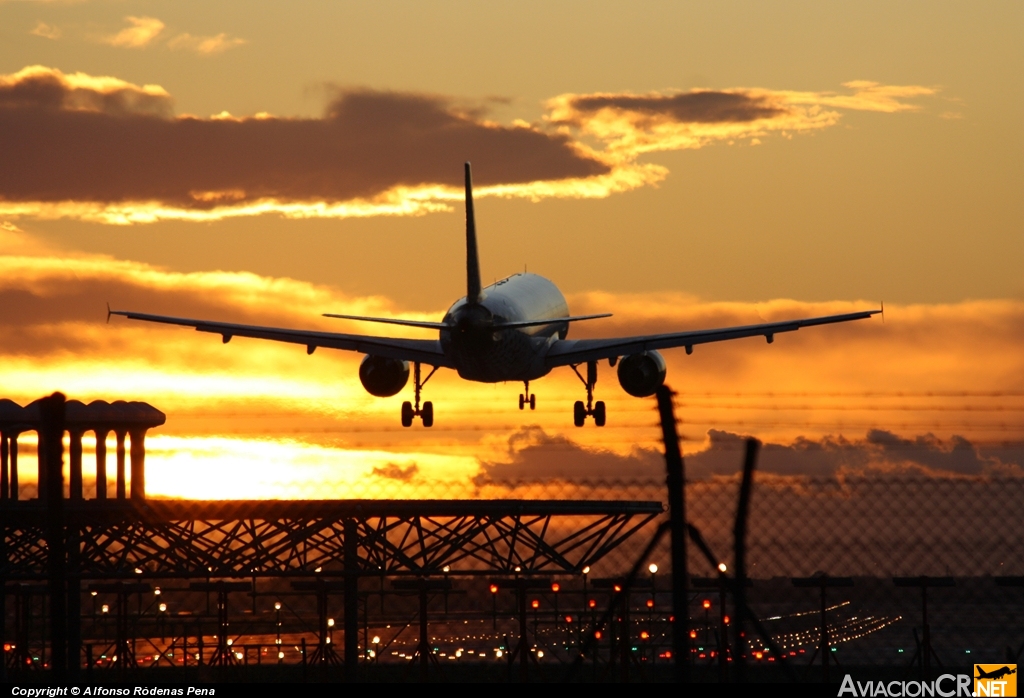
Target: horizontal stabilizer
(536,323)
(392,321)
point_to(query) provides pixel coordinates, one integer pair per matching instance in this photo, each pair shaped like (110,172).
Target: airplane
(995,673)
(513,330)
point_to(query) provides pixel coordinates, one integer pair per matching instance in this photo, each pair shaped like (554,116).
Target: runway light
(277,606)
(105,609)
(376,639)
(653,568)
(586,570)
(163,607)
(280,655)
(330,622)
(156,591)
(722,567)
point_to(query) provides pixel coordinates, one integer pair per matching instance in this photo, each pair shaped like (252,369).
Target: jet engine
(641,374)
(383,377)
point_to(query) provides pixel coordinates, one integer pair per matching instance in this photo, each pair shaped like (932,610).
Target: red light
(592,603)
(617,588)
(725,619)
(644,635)
(535,603)
(758,654)
(693,634)
(650,603)
(707,604)
(568,619)
(8,647)
(597,634)
(555,587)
(494,588)
(668,655)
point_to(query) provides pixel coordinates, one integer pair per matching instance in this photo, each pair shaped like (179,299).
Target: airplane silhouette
(996,673)
(512,330)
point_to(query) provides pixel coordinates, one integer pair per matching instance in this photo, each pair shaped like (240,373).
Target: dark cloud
(393,471)
(36,90)
(122,147)
(535,456)
(686,107)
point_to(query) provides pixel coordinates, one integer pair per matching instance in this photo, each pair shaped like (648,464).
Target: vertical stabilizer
(472,258)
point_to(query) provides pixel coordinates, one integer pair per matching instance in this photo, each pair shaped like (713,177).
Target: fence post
(676,481)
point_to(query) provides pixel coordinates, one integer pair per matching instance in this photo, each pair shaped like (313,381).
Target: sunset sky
(682,166)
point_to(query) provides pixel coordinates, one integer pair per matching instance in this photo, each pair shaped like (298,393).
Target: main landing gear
(580,412)
(527,398)
(408,411)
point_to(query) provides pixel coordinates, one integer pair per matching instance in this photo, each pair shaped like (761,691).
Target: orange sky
(266,167)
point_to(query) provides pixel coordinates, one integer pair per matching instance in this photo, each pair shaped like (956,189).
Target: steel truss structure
(194,539)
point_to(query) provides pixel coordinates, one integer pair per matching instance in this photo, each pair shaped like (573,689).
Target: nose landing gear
(409,412)
(527,398)
(597,410)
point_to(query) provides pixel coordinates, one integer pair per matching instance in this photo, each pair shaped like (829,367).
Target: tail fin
(472,259)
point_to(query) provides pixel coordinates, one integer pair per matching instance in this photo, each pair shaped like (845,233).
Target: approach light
(446,569)
(163,608)
(650,603)
(706,604)
(156,591)
(376,639)
(592,603)
(555,587)
(535,604)
(277,606)
(652,568)
(105,609)
(494,588)
(617,588)
(330,622)
(722,567)
(586,570)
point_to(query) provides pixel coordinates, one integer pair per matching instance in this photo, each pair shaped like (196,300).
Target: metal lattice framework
(120,539)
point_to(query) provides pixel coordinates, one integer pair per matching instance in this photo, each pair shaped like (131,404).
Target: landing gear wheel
(579,413)
(428,414)
(533,402)
(599,413)
(407,414)
(522,401)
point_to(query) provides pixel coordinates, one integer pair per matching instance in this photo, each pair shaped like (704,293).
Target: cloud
(141,33)
(535,456)
(393,471)
(372,152)
(205,45)
(46,31)
(40,90)
(631,124)
(105,150)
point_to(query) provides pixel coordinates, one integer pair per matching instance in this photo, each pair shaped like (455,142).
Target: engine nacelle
(383,377)
(641,374)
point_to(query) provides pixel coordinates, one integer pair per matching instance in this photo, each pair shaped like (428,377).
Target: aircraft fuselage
(482,353)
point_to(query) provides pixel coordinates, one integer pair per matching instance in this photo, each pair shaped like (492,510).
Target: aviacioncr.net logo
(946,686)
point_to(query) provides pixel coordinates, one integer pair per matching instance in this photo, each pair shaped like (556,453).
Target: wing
(566,352)
(426,351)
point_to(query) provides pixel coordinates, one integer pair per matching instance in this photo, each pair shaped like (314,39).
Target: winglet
(108,312)
(472,258)
(883,311)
